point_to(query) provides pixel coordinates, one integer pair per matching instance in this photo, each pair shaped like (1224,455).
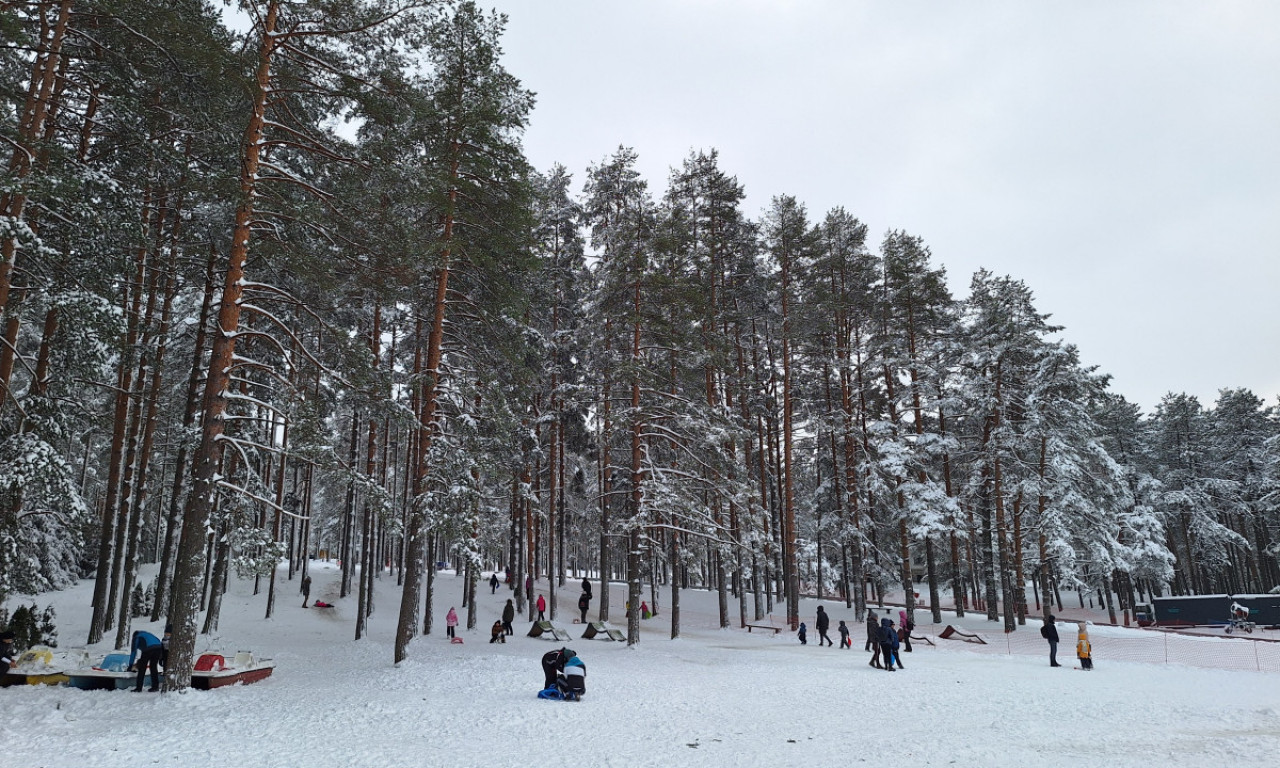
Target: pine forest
(294,291)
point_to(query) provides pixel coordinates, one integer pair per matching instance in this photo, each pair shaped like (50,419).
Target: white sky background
(1121,158)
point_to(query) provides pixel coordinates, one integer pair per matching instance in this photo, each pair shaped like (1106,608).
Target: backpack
(1044,631)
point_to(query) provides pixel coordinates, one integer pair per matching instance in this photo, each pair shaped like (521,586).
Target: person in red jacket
(542,607)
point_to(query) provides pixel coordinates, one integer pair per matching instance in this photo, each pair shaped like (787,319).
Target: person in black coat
(586,586)
(844,636)
(508,616)
(7,651)
(553,665)
(823,623)
(873,639)
(1050,632)
(493,583)
(584,602)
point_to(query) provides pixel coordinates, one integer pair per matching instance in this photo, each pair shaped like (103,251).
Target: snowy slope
(712,698)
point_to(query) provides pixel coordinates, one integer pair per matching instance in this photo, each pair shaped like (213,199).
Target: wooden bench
(776,629)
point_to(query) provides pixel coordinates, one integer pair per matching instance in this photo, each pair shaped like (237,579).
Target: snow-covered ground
(712,698)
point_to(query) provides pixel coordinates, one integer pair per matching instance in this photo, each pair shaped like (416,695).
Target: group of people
(1084,648)
(884,637)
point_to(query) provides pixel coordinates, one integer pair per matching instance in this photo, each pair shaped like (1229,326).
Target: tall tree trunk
(207,462)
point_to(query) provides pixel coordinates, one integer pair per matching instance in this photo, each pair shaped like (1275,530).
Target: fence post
(1165,635)
(1256,661)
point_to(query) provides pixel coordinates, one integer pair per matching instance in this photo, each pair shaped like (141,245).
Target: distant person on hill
(493,583)
(508,616)
(823,623)
(1050,632)
(497,634)
(584,603)
(845,643)
(306,590)
(451,623)
(801,635)
(1084,649)
(542,608)
(644,610)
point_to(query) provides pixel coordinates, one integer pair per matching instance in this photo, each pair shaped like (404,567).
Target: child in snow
(644,610)
(904,630)
(542,607)
(572,680)
(801,635)
(496,633)
(844,636)
(451,623)
(1084,650)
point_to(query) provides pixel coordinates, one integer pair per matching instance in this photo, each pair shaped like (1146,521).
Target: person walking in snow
(644,610)
(542,607)
(1084,649)
(801,634)
(823,623)
(904,630)
(508,616)
(584,602)
(845,643)
(889,644)
(1050,632)
(873,639)
(493,583)
(451,623)
(306,590)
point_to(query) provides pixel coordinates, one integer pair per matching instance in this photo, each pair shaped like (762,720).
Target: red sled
(456,640)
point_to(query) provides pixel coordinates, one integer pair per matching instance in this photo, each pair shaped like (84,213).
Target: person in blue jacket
(889,644)
(148,650)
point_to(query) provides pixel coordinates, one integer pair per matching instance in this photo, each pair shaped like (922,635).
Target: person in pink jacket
(451,622)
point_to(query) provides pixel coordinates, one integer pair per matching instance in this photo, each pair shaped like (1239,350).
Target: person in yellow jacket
(1084,650)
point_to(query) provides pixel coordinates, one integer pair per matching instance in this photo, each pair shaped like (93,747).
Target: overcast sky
(1121,158)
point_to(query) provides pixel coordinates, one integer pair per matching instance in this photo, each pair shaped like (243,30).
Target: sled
(951,631)
(599,628)
(455,641)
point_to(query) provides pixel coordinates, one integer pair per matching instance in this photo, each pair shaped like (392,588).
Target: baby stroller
(1239,619)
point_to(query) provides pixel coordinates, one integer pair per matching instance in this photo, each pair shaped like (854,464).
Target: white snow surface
(711,698)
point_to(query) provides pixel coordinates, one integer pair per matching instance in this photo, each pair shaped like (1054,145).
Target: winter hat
(7,635)
(168,629)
